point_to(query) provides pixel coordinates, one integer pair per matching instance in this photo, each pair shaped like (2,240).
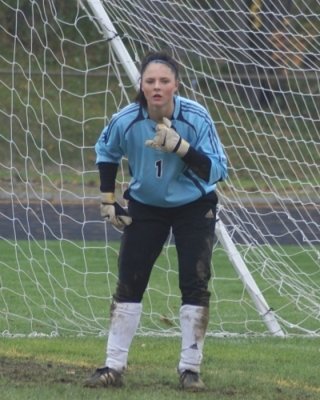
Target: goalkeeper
(175,159)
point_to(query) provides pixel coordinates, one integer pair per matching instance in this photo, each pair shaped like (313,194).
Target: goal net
(253,64)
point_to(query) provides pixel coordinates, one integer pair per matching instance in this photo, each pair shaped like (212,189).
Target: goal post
(66,68)
(262,307)
(250,285)
(112,35)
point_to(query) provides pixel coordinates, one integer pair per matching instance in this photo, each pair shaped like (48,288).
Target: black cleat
(104,377)
(191,381)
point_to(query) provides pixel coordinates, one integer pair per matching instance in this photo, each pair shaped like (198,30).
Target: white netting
(253,64)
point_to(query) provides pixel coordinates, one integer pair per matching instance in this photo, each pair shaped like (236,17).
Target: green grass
(237,369)
(50,276)
(64,288)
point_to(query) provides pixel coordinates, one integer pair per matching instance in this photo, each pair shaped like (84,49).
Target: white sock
(125,318)
(193,322)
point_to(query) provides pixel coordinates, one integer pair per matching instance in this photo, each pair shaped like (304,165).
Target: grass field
(64,287)
(237,369)
(246,368)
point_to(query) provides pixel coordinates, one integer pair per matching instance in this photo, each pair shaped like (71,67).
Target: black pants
(193,227)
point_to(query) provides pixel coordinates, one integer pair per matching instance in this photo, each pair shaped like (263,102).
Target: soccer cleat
(104,377)
(191,381)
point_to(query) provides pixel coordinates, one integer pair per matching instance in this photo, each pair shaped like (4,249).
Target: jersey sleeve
(108,146)
(209,144)
(198,162)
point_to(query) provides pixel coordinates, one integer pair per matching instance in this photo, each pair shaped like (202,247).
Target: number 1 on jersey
(158,165)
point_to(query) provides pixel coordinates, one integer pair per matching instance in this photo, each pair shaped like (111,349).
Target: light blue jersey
(158,178)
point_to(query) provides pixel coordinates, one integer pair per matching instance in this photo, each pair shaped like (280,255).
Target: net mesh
(254,65)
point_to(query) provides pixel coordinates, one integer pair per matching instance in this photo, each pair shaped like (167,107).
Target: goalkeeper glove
(112,212)
(168,140)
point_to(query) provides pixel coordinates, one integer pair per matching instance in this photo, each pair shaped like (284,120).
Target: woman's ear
(177,85)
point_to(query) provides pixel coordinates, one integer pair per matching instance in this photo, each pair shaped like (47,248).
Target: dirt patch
(28,372)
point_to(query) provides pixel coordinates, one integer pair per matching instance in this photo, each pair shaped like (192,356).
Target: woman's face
(159,85)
